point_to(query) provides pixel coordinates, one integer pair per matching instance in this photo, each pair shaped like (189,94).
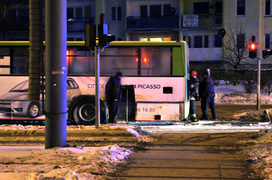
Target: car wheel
(84,113)
(33,110)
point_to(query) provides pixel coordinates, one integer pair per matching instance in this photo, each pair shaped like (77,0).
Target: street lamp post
(56,73)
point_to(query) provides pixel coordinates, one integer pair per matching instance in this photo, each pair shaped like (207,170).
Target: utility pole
(56,73)
(259,59)
(97,86)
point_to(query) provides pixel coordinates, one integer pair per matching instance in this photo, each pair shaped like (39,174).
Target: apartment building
(195,21)
(246,18)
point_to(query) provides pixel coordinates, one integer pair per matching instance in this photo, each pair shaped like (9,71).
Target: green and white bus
(158,72)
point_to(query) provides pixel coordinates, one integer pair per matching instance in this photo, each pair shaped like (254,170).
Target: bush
(266,83)
(248,85)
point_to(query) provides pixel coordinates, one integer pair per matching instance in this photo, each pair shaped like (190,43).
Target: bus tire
(33,110)
(84,113)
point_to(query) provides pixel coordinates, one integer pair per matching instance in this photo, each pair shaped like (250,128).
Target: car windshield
(22,87)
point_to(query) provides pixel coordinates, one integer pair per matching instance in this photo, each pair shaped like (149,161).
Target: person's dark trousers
(193,110)
(113,110)
(208,101)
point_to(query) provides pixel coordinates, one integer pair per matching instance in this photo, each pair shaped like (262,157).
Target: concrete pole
(56,73)
(35,48)
(97,86)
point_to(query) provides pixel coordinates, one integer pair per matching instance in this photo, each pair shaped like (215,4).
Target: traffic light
(267,53)
(103,33)
(252,48)
(90,36)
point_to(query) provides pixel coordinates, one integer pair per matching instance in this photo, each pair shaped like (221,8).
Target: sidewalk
(190,156)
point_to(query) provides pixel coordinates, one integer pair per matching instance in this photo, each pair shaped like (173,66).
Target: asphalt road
(190,156)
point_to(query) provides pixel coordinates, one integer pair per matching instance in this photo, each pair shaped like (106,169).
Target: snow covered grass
(229,94)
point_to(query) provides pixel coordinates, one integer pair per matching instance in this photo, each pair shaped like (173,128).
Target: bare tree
(235,49)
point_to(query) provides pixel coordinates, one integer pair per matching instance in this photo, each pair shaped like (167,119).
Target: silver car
(15,102)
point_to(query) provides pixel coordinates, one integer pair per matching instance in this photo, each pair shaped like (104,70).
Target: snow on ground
(138,132)
(229,94)
(71,163)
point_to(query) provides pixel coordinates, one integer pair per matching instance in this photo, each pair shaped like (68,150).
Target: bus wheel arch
(82,110)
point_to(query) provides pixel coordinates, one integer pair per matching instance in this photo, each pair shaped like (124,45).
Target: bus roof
(114,43)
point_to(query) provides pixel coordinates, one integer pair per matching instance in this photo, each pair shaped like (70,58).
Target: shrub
(248,85)
(266,83)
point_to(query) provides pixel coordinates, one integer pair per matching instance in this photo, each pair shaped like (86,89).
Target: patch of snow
(229,94)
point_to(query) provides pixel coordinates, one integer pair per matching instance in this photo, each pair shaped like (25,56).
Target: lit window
(156,39)
(167,39)
(144,39)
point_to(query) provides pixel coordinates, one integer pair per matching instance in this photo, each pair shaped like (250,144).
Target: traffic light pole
(97,86)
(259,84)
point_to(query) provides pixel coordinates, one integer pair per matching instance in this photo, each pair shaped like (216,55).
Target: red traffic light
(252,46)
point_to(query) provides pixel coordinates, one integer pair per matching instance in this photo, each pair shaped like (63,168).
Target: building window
(88,11)
(198,41)
(218,7)
(143,10)
(143,39)
(218,13)
(155,10)
(23,13)
(206,41)
(217,41)
(116,13)
(241,7)
(166,38)
(267,41)
(155,38)
(70,13)
(79,12)
(167,10)
(201,8)
(267,7)
(240,41)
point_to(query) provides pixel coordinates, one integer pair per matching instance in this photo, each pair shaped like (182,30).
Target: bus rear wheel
(84,113)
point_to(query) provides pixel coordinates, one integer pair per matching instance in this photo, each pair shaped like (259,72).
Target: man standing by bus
(206,92)
(193,89)
(113,96)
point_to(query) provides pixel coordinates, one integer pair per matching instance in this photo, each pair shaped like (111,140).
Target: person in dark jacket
(193,89)
(206,92)
(113,96)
